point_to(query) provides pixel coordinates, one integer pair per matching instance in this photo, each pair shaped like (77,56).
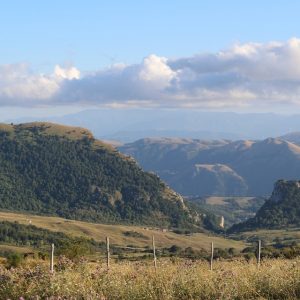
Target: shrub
(14,260)
(135,234)
(76,249)
(174,249)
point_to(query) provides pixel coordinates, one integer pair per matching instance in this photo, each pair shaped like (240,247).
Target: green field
(116,233)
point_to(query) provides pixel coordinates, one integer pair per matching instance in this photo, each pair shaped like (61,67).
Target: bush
(135,234)
(174,249)
(76,249)
(14,260)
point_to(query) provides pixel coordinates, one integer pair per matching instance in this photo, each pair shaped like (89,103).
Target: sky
(64,56)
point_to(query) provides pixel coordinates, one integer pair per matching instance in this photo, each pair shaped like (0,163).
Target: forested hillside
(58,170)
(282,210)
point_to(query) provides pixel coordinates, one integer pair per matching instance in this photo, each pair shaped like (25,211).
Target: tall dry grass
(275,279)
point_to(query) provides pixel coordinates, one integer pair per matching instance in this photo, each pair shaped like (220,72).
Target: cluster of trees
(268,251)
(273,251)
(17,234)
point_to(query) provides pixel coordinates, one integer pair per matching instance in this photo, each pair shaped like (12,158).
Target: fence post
(52,259)
(154,253)
(211,256)
(107,253)
(258,252)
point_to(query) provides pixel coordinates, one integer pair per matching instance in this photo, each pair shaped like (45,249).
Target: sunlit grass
(98,232)
(182,279)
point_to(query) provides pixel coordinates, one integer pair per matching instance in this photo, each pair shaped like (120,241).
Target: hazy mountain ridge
(132,124)
(250,167)
(210,178)
(293,137)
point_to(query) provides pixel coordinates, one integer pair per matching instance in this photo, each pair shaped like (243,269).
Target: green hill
(58,170)
(281,210)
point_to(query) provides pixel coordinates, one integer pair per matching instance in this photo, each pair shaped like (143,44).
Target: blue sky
(80,53)
(93,34)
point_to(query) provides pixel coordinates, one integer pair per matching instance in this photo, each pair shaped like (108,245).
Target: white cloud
(66,73)
(246,75)
(155,69)
(20,86)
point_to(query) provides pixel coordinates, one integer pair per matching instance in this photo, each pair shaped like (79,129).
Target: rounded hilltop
(47,128)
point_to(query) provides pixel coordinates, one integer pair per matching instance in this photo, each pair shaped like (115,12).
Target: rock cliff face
(280,211)
(282,188)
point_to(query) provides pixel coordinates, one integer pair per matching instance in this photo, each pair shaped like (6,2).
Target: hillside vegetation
(16,234)
(58,170)
(281,210)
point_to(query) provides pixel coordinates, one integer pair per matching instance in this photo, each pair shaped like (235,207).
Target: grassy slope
(50,129)
(213,200)
(115,232)
(18,249)
(284,236)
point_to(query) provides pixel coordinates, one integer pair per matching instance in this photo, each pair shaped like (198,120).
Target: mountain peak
(281,188)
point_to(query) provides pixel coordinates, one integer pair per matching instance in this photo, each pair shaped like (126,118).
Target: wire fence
(154,254)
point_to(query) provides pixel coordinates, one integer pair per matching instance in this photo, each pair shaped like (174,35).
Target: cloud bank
(246,75)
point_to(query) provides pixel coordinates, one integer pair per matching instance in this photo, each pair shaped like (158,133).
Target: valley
(233,209)
(62,179)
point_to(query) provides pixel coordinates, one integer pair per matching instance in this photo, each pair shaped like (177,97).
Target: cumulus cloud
(246,75)
(19,85)
(66,73)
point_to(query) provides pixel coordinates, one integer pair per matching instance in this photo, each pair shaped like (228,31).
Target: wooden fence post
(154,253)
(52,259)
(258,252)
(211,256)
(107,253)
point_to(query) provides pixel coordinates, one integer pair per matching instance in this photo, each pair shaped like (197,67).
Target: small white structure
(222,222)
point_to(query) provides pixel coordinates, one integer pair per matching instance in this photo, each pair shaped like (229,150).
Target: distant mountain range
(221,167)
(128,125)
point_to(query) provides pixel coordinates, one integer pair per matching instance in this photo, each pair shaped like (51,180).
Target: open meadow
(119,233)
